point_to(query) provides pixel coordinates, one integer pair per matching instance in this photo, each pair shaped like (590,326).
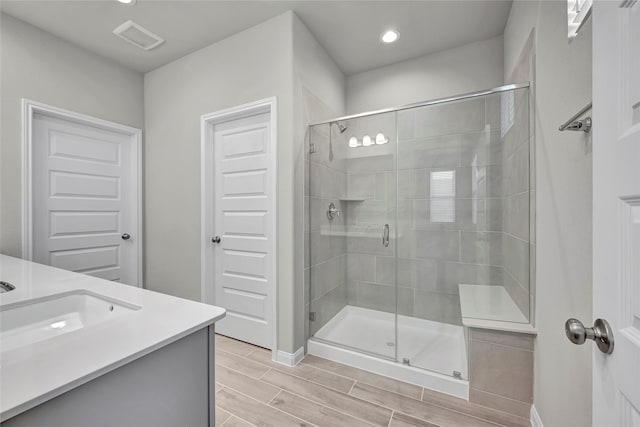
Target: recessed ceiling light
(389,36)
(127,2)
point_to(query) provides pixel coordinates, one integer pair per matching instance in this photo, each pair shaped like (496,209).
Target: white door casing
(239,206)
(616,209)
(82,192)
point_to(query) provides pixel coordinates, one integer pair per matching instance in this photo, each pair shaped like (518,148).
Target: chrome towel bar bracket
(583,125)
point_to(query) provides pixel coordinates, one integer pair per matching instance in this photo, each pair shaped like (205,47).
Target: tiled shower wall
(516,208)
(471,228)
(326,261)
(461,242)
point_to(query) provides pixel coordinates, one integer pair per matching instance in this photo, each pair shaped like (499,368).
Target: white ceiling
(348,30)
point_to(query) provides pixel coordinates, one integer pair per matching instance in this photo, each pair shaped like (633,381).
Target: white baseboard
(536,421)
(289,359)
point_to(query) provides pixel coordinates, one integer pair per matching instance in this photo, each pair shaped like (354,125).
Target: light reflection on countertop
(34,370)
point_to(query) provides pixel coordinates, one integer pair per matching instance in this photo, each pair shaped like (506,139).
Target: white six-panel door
(242,213)
(616,212)
(85,199)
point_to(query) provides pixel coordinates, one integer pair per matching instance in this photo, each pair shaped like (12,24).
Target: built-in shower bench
(491,307)
(500,343)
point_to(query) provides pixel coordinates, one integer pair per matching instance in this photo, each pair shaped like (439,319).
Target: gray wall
(251,65)
(319,94)
(563,173)
(41,67)
(467,68)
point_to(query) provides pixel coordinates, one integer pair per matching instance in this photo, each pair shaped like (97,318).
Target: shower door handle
(385,235)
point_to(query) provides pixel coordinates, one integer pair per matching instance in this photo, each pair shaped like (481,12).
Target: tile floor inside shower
(436,346)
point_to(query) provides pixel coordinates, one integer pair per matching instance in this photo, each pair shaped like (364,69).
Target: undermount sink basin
(39,319)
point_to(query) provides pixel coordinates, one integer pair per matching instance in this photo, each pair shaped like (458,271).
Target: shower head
(342,128)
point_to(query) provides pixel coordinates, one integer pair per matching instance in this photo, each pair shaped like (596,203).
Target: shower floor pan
(433,353)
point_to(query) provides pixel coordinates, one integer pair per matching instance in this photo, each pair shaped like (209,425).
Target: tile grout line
(232,416)
(268,405)
(464,414)
(275,397)
(333,408)
(293,374)
(253,398)
(352,386)
(328,407)
(393,411)
(231,368)
(262,376)
(503,345)
(366,382)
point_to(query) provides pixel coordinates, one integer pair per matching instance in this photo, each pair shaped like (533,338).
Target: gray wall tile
(481,149)
(509,339)
(500,403)
(361,185)
(468,214)
(458,117)
(440,152)
(494,209)
(438,307)
(327,306)
(472,274)
(519,215)
(437,244)
(481,247)
(383,297)
(361,267)
(327,276)
(501,370)
(516,253)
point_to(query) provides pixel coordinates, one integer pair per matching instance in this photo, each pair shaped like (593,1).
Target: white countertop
(35,373)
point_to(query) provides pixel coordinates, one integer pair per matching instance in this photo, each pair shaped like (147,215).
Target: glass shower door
(353,237)
(463,180)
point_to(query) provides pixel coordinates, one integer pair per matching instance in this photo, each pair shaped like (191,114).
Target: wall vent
(138,35)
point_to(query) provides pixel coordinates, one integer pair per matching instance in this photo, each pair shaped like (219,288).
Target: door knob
(215,239)
(126,236)
(601,333)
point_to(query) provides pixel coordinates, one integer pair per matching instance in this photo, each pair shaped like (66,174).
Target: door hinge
(312,148)
(312,316)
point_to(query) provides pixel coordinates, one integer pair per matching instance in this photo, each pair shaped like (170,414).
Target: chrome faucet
(332,211)
(6,287)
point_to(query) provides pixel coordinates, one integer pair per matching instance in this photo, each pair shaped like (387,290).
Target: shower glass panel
(460,173)
(352,204)
(451,179)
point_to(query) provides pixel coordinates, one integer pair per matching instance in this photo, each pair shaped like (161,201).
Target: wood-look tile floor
(251,390)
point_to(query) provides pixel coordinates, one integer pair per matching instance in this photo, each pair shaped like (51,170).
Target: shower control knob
(215,239)
(601,333)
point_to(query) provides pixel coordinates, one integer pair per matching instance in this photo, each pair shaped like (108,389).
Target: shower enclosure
(418,225)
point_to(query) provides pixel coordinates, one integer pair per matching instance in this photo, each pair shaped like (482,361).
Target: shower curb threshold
(409,374)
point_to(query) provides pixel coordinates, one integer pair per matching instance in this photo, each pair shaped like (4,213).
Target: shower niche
(418,231)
